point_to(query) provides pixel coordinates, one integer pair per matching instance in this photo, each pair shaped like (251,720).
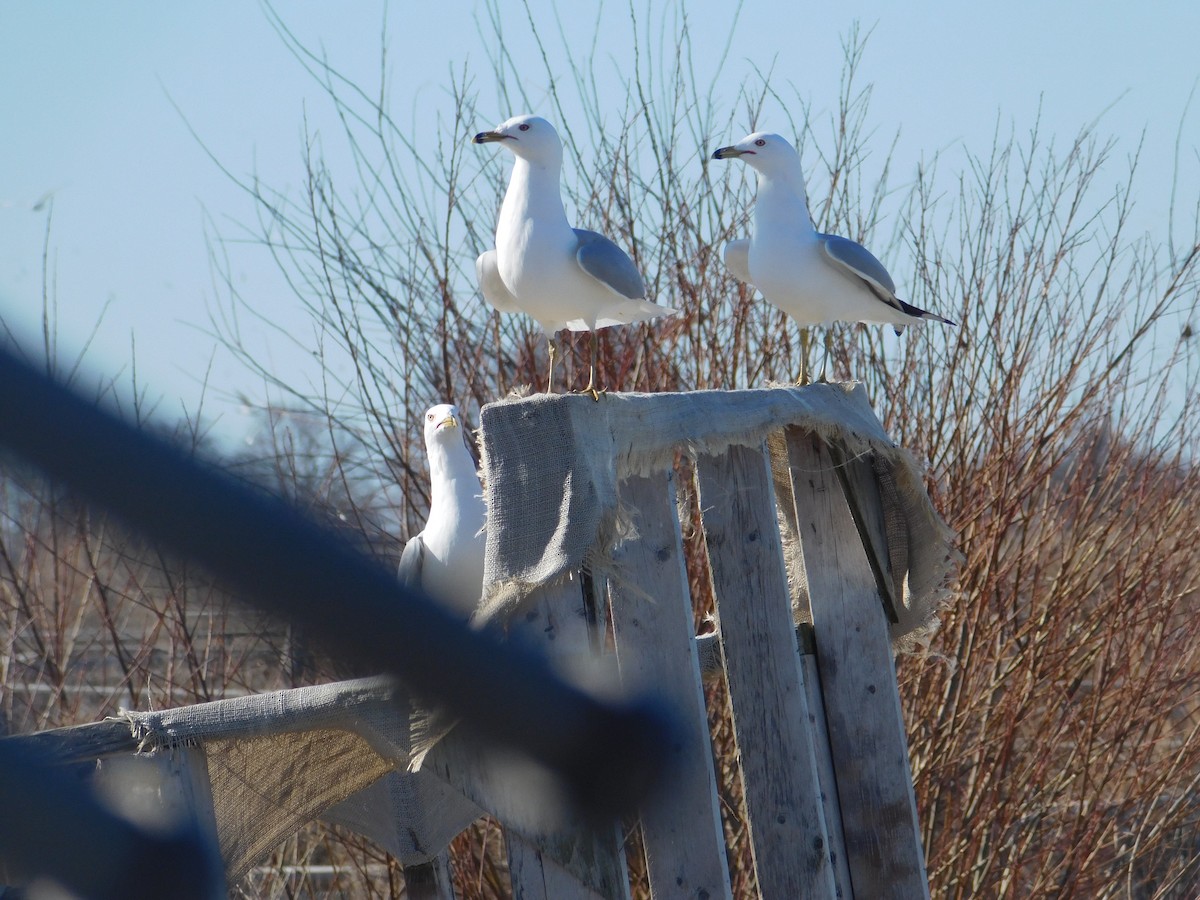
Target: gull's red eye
(524,126)
(760,143)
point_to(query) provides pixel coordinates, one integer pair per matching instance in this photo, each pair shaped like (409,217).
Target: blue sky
(91,97)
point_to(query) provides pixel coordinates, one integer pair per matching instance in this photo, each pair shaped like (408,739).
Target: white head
(769,154)
(530,137)
(443,427)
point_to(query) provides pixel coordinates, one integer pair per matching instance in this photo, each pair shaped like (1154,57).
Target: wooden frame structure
(822,746)
(816,710)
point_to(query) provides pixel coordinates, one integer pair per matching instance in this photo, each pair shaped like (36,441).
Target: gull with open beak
(563,277)
(815,278)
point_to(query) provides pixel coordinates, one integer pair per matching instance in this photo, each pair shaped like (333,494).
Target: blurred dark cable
(54,825)
(274,557)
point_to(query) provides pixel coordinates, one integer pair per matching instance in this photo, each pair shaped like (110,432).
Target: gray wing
(411,562)
(857,261)
(495,291)
(737,260)
(609,264)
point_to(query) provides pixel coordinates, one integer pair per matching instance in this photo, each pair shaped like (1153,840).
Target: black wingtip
(919,313)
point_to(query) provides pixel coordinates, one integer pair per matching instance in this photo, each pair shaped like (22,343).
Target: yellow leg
(550,378)
(828,353)
(591,385)
(804,341)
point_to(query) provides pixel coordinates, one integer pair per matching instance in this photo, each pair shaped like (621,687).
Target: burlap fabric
(553,463)
(337,751)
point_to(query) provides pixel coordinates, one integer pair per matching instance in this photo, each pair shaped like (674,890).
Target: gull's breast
(789,272)
(536,261)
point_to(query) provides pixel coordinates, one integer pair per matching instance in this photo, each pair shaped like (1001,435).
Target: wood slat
(557,619)
(857,477)
(160,791)
(772,722)
(656,647)
(824,759)
(536,875)
(79,743)
(430,881)
(862,704)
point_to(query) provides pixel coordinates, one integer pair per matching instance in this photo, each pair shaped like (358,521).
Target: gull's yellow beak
(728,153)
(488,137)
(448,422)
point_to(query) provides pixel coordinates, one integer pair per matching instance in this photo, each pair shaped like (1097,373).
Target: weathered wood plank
(536,875)
(824,759)
(656,647)
(861,489)
(79,743)
(530,872)
(430,881)
(556,618)
(189,770)
(862,704)
(766,683)
(163,791)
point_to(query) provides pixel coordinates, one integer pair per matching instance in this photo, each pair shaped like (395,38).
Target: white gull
(563,277)
(815,278)
(446,557)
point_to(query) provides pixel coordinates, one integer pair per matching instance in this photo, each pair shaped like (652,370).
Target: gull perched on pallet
(563,277)
(446,558)
(815,278)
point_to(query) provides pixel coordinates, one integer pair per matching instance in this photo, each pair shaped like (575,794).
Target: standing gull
(563,277)
(815,278)
(446,557)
